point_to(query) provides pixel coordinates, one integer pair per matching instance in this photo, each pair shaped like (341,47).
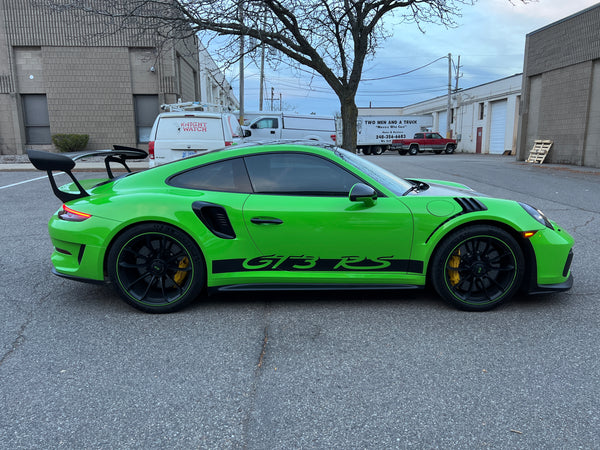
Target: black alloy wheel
(156,268)
(478,267)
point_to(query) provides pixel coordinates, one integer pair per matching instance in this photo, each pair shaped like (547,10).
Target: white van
(179,134)
(280,125)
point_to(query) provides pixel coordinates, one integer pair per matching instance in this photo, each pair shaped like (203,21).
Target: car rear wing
(51,162)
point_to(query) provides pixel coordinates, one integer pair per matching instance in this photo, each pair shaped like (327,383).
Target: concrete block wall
(561,90)
(91,94)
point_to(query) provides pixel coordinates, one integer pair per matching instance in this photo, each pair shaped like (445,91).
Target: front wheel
(156,268)
(478,267)
(413,150)
(450,149)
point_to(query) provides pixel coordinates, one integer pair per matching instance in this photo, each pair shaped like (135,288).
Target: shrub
(70,142)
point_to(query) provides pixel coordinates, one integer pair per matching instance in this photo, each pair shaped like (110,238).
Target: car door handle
(266,220)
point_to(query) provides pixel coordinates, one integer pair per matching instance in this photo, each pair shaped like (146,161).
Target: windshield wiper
(417,186)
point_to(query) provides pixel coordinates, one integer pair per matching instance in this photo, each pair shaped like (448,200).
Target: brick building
(561,90)
(71,73)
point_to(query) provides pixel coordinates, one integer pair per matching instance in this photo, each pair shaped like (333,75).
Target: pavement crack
(19,340)
(587,222)
(264,348)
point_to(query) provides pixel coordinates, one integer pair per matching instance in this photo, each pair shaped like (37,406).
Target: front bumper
(553,255)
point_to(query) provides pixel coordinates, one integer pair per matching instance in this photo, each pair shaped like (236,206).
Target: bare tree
(334,38)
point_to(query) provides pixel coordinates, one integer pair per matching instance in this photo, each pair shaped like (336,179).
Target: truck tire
(366,150)
(450,149)
(402,152)
(377,150)
(413,150)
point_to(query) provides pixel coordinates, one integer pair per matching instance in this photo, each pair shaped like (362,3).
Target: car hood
(440,188)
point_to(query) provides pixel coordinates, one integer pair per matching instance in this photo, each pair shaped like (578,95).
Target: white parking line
(27,181)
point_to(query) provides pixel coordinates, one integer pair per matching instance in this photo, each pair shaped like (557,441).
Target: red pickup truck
(423,142)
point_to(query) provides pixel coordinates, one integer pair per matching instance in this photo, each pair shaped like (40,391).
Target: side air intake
(215,218)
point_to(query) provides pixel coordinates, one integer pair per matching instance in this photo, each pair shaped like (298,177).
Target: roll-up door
(442,127)
(498,127)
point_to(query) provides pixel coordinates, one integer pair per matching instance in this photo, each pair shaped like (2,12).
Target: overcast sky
(490,39)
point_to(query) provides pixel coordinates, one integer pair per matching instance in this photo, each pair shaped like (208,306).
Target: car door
(301,218)
(265,128)
(436,142)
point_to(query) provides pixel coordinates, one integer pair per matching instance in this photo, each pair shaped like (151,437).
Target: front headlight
(537,215)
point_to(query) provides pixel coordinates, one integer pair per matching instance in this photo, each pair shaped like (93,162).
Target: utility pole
(241,16)
(449,108)
(262,78)
(272,94)
(457,74)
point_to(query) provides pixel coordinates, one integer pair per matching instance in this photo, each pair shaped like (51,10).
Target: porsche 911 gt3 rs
(287,216)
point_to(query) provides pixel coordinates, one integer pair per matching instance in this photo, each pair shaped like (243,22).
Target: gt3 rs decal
(313,263)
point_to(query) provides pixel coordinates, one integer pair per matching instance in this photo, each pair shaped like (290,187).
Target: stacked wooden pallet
(539,151)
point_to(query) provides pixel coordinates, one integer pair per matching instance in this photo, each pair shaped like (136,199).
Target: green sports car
(287,216)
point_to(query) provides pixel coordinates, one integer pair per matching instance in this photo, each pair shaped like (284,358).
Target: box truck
(374,134)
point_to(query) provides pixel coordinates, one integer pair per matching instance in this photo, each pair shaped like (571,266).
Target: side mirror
(247,133)
(362,193)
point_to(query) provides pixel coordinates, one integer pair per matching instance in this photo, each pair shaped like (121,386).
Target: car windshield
(395,184)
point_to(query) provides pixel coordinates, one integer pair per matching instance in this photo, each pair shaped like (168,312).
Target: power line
(405,73)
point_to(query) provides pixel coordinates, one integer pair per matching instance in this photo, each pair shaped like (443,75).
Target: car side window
(418,136)
(298,174)
(224,176)
(265,123)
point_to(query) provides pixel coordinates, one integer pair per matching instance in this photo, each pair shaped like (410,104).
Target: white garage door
(498,127)
(442,127)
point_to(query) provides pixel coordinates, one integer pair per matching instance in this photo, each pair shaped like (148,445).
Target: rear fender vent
(470,204)
(215,218)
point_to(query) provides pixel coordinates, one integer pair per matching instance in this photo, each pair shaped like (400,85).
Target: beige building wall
(561,90)
(90,78)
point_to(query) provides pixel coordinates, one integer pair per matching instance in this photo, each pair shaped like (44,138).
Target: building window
(36,120)
(451,115)
(146,110)
(481,111)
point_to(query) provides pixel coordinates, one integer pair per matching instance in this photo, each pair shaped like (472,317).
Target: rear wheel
(366,150)
(377,150)
(156,268)
(413,150)
(477,268)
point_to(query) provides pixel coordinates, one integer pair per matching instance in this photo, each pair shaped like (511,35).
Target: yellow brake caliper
(181,274)
(453,264)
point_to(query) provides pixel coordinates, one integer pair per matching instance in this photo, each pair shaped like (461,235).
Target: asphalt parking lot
(81,369)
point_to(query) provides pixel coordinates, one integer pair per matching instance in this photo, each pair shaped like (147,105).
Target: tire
(402,152)
(450,149)
(413,150)
(366,151)
(477,268)
(156,268)
(437,152)
(377,150)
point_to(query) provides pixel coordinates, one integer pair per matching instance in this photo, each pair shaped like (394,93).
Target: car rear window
(225,176)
